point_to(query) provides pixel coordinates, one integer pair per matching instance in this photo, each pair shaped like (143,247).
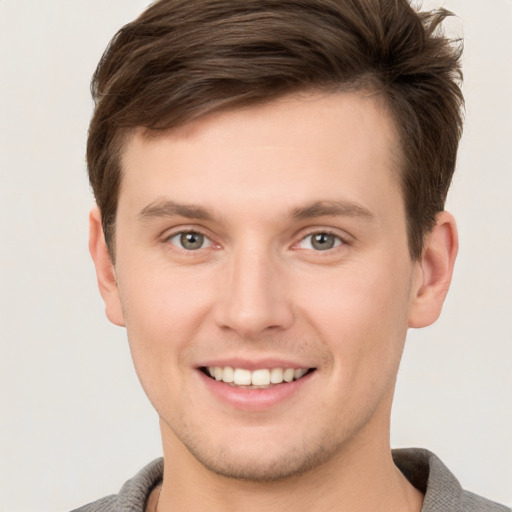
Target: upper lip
(255,364)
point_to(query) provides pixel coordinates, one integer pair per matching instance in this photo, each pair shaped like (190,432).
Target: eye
(322,241)
(190,240)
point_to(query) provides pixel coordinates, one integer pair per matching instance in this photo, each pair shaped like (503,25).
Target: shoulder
(107,504)
(443,492)
(133,495)
(472,503)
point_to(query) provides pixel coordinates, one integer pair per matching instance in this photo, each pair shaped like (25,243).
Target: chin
(262,463)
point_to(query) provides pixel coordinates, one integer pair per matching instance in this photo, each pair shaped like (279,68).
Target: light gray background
(74,423)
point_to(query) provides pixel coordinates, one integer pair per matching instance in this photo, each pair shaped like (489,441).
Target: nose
(254,297)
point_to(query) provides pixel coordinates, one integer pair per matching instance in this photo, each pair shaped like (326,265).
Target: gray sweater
(422,468)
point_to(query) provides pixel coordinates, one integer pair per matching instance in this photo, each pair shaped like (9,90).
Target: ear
(435,270)
(105,270)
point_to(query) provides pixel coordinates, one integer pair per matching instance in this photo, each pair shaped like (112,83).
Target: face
(263,275)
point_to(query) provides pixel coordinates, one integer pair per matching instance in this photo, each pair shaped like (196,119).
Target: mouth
(262,378)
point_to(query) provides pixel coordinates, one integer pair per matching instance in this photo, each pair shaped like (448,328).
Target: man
(270,179)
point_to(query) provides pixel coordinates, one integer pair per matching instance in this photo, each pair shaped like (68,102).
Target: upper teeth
(263,377)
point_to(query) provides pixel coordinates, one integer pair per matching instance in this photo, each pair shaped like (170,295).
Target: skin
(259,291)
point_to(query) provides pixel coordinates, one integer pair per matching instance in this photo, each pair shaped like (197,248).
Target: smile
(256,379)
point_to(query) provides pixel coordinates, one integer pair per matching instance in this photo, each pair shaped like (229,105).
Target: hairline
(366,86)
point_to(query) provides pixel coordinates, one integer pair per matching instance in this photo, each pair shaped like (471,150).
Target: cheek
(361,316)
(163,312)
(157,298)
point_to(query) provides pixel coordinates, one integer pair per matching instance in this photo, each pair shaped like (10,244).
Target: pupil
(192,240)
(323,241)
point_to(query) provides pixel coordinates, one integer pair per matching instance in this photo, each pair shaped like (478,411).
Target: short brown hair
(181,59)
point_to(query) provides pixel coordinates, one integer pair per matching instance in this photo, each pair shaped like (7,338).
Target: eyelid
(180,230)
(206,241)
(344,238)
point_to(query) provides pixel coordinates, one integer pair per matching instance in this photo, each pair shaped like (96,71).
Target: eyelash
(181,233)
(338,242)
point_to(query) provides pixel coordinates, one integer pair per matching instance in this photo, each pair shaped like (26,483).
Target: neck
(361,477)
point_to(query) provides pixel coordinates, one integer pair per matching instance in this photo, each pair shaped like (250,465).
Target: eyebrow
(166,208)
(332,208)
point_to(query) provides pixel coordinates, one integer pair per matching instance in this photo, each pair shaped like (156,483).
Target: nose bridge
(255,295)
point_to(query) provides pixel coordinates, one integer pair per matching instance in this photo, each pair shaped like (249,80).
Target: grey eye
(190,240)
(320,241)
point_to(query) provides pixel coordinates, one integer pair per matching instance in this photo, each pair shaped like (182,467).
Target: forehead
(297,149)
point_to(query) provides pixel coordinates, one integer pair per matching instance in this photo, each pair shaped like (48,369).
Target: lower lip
(254,399)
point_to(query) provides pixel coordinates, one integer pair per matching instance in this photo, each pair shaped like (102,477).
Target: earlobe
(435,271)
(105,271)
